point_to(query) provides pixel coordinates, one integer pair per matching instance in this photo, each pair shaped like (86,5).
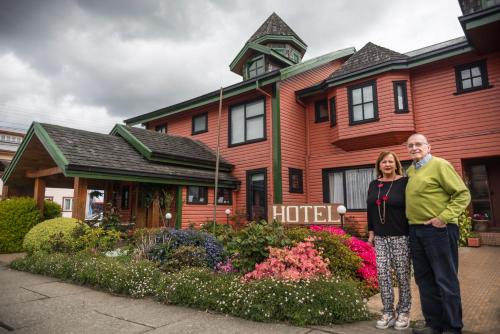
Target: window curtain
(357,182)
(336,188)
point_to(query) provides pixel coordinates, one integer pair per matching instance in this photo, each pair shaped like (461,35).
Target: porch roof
(104,156)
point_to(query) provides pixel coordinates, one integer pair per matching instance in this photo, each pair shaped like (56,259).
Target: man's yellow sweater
(435,190)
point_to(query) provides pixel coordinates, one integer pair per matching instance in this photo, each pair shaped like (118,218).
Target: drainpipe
(270,139)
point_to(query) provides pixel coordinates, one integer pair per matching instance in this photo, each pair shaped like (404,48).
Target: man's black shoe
(425,330)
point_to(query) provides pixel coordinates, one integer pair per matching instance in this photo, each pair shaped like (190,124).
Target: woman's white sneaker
(386,321)
(402,322)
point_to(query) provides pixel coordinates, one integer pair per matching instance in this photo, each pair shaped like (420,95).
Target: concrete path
(38,304)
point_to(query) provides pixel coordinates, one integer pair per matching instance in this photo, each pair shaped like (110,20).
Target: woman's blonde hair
(382,155)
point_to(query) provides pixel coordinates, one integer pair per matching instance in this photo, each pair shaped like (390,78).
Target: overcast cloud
(92,63)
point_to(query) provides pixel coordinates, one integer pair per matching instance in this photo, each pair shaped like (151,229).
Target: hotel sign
(316,214)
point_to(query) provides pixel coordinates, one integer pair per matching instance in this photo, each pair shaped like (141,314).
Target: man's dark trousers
(435,260)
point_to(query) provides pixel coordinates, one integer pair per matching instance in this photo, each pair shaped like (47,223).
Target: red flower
(385,198)
(380,185)
(378,202)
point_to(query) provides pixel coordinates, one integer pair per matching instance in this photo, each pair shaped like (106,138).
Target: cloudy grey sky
(92,63)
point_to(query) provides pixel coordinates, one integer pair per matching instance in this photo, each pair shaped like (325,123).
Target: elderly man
(435,197)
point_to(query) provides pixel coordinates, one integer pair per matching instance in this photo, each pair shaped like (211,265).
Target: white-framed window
(67,204)
(247,122)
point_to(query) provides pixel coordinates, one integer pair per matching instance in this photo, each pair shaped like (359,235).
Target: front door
(257,194)
(484,183)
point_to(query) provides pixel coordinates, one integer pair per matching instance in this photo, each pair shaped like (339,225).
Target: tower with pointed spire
(273,46)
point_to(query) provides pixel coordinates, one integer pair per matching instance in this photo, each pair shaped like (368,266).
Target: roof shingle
(274,25)
(369,55)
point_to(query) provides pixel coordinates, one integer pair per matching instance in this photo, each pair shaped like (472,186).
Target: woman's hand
(371,236)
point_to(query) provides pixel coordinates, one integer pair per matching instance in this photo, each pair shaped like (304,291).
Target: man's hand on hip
(436,222)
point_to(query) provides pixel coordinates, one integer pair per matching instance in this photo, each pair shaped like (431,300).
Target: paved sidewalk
(38,304)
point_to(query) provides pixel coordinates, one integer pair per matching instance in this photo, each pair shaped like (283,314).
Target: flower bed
(318,301)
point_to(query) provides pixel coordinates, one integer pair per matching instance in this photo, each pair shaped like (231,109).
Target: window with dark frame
(125,197)
(162,128)
(333,112)
(321,111)
(295,180)
(199,124)
(256,67)
(247,122)
(224,196)
(363,103)
(471,77)
(197,195)
(400,97)
(49,198)
(348,186)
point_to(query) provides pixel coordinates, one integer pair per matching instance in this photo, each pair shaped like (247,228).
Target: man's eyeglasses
(416,145)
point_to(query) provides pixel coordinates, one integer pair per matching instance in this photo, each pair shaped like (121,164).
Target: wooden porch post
(5,191)
(155,211)
(39,193)
(79,198)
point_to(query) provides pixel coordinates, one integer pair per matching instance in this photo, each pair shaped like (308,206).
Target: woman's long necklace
(381,201)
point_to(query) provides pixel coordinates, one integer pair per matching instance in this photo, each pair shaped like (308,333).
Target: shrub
(319,301)
(137,279)
(223,232)
(302,261)
(367,270)
(17,217)
(168,240)
(51,210)
(465,227)
(251,244)
(342,260)
(57,232)
(97,239)
(185,256)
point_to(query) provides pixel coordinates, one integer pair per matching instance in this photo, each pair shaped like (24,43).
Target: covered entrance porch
(141,173)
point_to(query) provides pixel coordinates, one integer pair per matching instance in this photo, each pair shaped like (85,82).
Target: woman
(388,231)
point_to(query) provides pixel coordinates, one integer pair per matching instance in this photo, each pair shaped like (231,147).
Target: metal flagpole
(217,158)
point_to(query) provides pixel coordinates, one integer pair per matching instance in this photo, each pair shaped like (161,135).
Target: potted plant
(473,240)
(480,222)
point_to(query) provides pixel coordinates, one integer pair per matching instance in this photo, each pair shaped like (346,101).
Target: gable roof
(164,147)
(369,55)
(102,156)
(274,25)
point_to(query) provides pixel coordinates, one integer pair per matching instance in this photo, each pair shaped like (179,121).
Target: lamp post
(341,211)
(227,212)
(168,216)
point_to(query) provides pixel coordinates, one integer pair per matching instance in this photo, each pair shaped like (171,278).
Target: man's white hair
(417,134)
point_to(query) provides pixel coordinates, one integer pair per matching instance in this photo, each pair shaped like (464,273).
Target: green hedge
(51,210)
(313,302)
(17,217)
(42,235)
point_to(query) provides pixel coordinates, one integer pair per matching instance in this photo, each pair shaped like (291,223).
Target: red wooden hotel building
(294,131)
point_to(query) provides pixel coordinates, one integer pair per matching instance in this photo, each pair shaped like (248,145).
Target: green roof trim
(47,142)
(482,21)
(178,208)
(276,137)
(281,38)
(144,179)
(132,140)
(242,87)
(259,48)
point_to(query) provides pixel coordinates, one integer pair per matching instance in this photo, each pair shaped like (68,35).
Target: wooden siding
(293,130)
(243,157)
(197,214)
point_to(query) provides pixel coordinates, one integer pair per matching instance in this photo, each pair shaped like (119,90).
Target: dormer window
(256,66)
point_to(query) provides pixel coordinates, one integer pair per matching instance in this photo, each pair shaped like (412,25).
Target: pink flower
(380,185)
(378,202)
(385,198)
